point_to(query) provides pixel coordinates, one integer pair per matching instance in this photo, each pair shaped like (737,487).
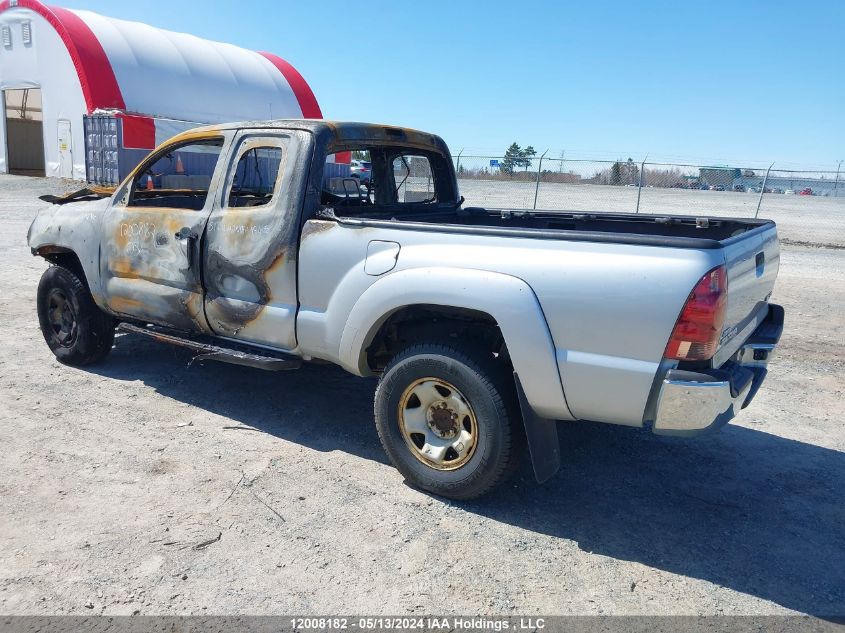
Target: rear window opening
(386,181)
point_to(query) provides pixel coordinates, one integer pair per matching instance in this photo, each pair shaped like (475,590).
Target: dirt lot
(126,489)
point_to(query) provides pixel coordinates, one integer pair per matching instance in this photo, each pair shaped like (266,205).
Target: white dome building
(86,96)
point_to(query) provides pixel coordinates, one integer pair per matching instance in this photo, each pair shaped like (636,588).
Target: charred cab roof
(340,135)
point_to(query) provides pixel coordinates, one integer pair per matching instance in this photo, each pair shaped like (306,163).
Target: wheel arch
(420,321)
(68,258)
(64,257)
(498,299)
(69,236)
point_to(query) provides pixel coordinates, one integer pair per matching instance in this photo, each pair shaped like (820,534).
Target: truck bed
(654,230)
(748,247)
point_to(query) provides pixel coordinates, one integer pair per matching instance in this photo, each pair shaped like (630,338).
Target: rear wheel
(75,329)
(446,419)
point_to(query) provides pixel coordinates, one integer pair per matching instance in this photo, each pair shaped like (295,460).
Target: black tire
(489,391)
(76,330)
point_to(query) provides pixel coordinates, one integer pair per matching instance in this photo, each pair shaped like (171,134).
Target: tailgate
(752,261)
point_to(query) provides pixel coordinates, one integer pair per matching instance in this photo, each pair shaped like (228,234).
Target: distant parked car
(754,190)
(719,188)
(362,170)
(740,188)
(790,192)
(777,190)
(806,191)
(704,187)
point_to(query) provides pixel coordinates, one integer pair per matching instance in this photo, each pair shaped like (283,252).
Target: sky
(740,82)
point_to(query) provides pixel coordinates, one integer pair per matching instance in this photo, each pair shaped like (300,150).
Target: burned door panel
(150,251)
(251,240)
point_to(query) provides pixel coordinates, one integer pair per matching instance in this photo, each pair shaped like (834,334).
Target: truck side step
(236,354)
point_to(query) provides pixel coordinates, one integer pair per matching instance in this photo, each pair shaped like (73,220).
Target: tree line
(516,157)
(620,173)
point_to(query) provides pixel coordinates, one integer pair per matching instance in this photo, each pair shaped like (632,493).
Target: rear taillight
(699,327)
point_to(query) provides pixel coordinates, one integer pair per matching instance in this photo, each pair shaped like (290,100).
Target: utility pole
(836,182)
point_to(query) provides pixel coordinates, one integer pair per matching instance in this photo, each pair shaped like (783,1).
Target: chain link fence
(808,206)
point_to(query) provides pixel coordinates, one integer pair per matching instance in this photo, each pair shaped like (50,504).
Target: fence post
(458,166)
(763,190)
(640,186)
(539,171)
(836,182)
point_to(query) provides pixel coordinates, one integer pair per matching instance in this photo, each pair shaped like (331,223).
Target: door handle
(185,233)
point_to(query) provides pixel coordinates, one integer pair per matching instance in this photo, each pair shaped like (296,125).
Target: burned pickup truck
(487,327)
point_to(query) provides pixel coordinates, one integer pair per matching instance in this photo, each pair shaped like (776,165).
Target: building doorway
(24,131)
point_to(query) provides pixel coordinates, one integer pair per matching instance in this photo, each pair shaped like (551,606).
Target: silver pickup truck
(249,244)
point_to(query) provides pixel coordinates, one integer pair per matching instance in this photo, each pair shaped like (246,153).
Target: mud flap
(541,434)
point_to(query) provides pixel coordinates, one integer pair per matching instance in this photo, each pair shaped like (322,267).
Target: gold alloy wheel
(437,423)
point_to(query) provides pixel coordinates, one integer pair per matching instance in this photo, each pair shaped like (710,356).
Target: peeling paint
(231,272)
(315,227)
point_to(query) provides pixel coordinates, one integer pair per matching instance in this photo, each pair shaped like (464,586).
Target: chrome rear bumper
(697,402)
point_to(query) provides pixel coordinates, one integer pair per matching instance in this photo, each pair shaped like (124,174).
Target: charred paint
(124,267)
(230,313)
(248,256)
(147,271)
(125,305)
(276,263)
(315,227)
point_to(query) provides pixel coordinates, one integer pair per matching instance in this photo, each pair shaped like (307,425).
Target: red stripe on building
(304,95)
(99,85)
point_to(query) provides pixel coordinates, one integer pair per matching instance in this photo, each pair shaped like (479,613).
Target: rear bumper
(698,402)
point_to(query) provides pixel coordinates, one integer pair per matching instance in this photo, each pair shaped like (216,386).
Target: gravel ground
(126,489)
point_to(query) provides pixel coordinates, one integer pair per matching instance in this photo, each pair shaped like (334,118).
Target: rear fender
(508,300)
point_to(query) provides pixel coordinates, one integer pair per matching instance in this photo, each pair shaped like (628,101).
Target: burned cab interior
(387,181)
(177,177)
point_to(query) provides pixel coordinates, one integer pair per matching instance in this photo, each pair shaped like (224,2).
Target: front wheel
(76,330)
(445,416)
